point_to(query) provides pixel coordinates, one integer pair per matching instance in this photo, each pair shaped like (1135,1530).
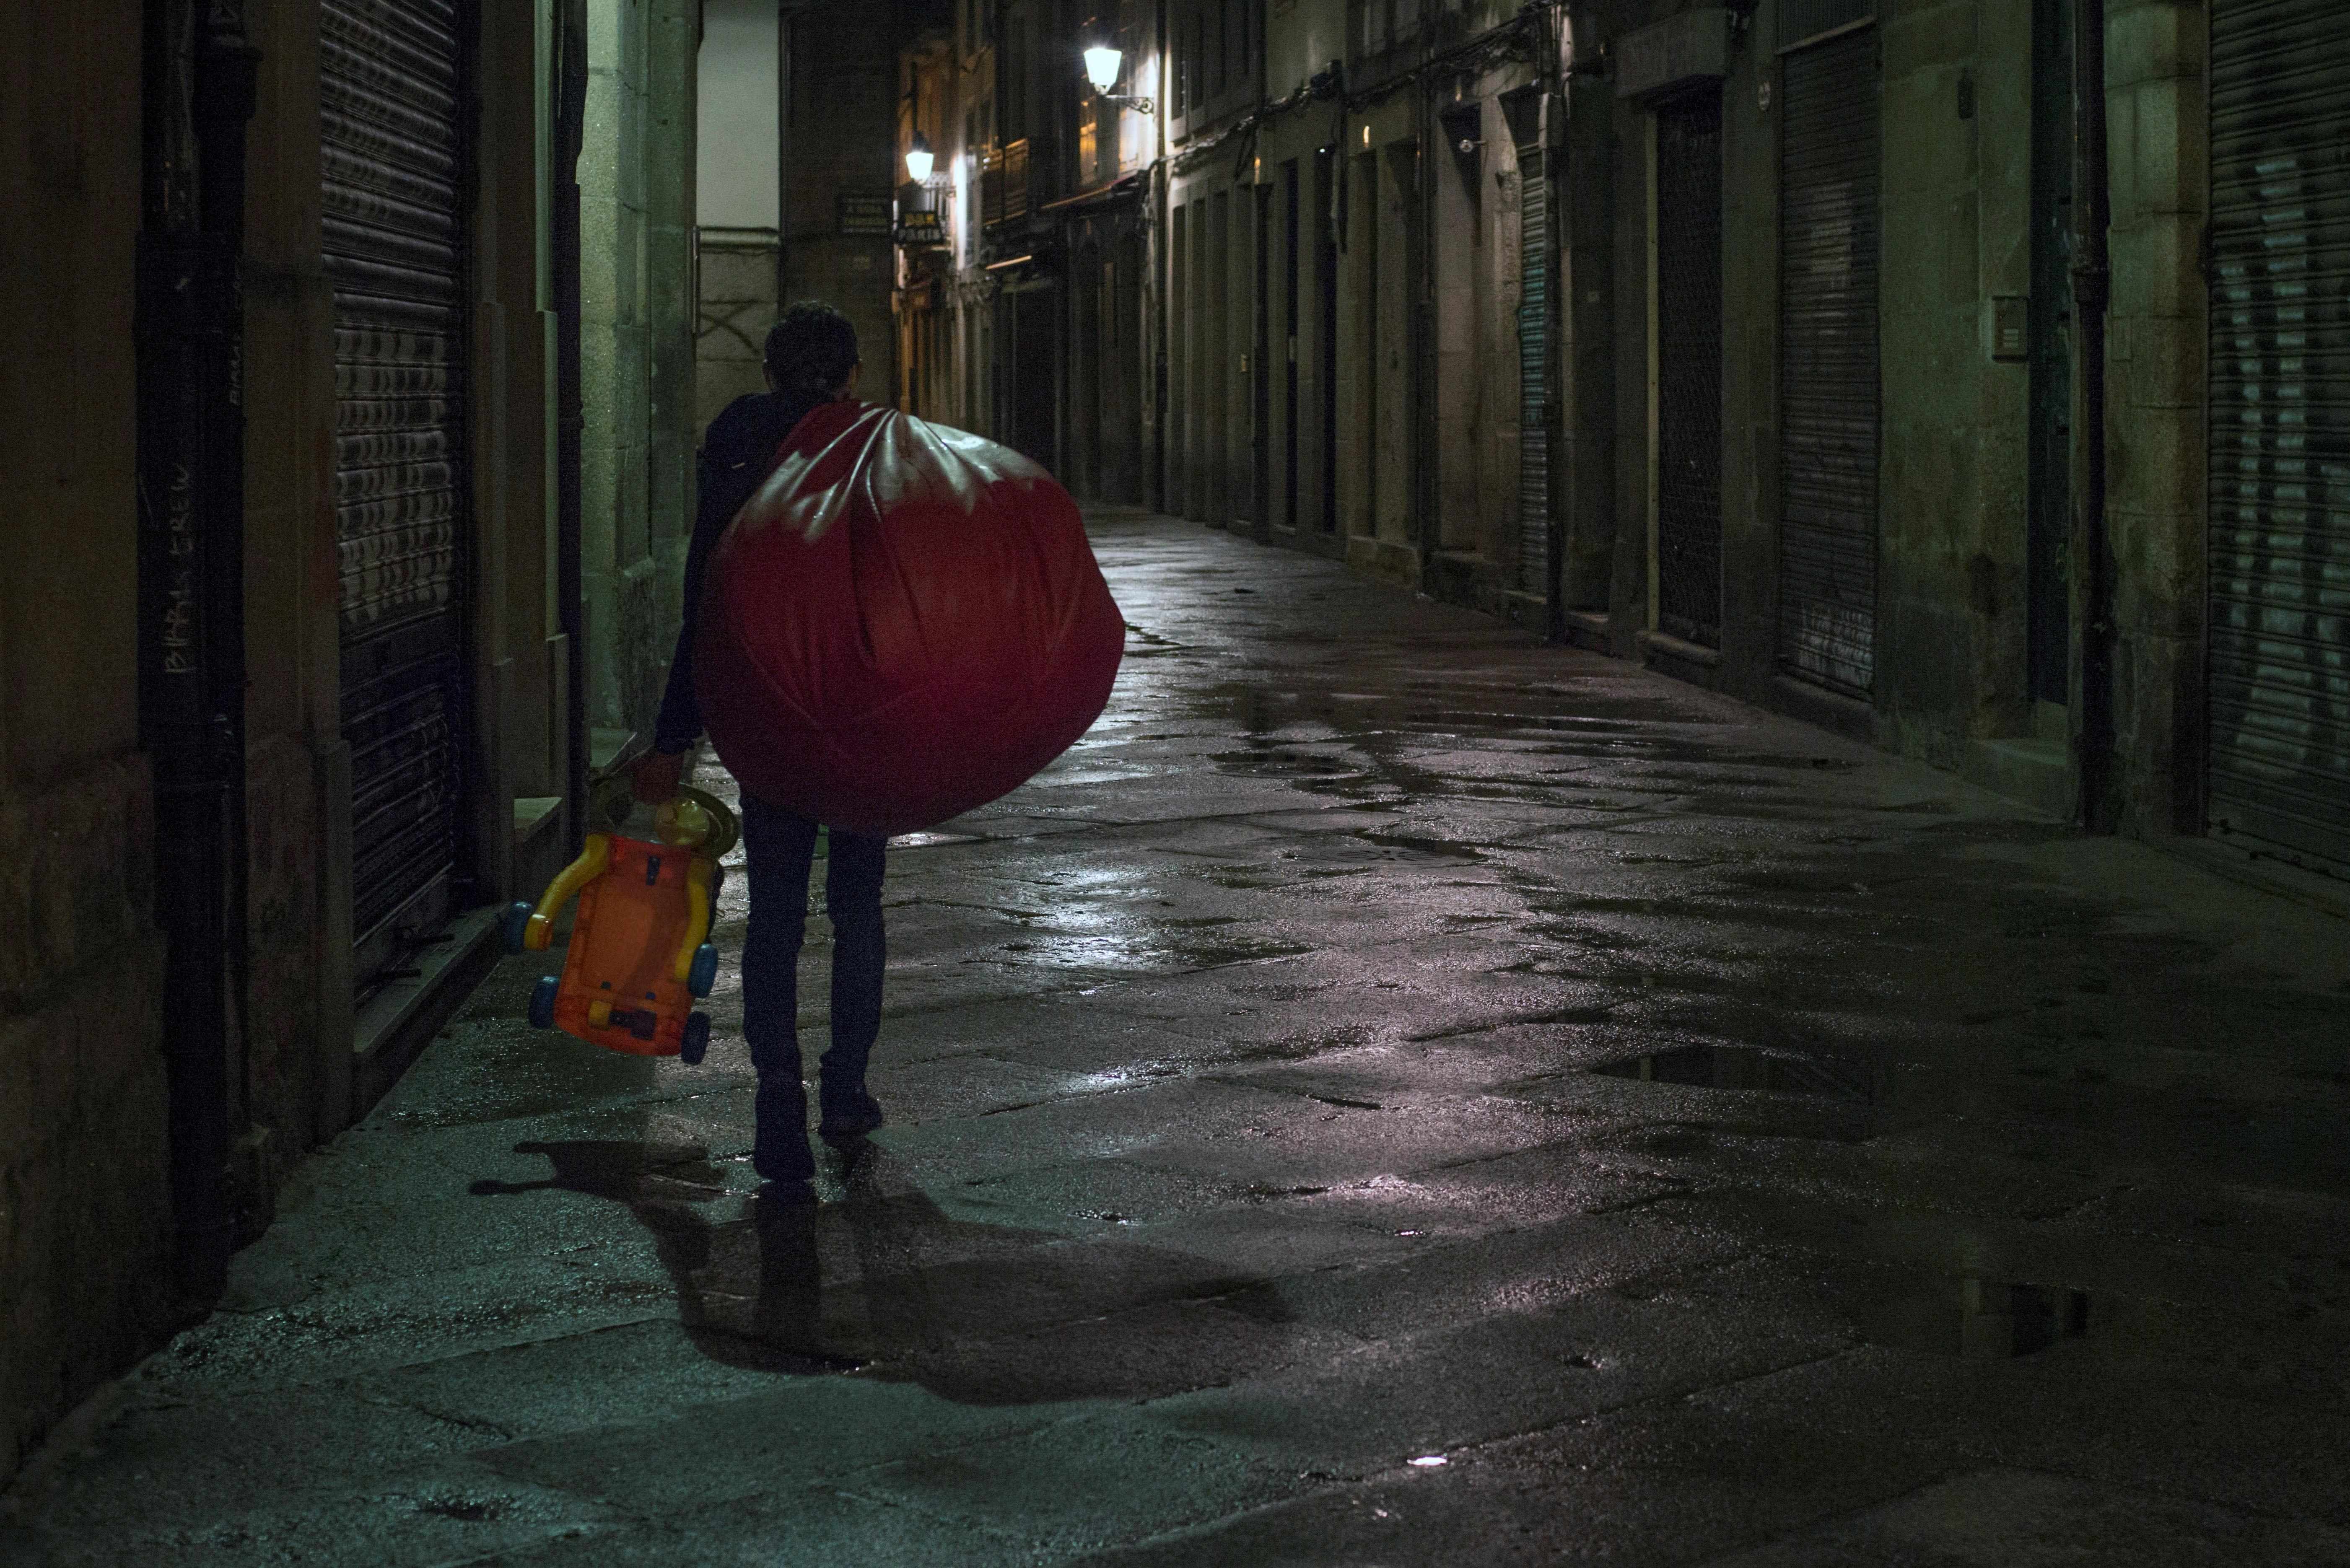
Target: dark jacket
(736,451)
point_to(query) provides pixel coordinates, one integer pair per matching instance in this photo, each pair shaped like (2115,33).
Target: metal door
(1828,407)
(1533,371)
(394,117)
(1689,365)
(2280,412)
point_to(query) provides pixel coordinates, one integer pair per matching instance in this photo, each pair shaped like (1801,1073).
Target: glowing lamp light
(1101,68)
(918,160)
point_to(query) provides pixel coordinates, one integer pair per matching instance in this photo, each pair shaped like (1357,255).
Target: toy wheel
(542,1001)
(704,972)
(696,1044)
(515,924)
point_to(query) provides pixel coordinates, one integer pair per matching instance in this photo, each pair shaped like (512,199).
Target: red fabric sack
(904,622)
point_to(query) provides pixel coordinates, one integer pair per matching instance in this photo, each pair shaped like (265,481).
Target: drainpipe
(570,65)
(2092,291)
(198,95)
(1162,263)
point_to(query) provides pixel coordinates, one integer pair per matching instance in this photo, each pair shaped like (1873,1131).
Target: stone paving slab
(1395,1093)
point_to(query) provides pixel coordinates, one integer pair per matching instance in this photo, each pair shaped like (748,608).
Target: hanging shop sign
(921,231)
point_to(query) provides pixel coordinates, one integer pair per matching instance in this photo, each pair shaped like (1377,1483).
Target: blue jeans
(780,847)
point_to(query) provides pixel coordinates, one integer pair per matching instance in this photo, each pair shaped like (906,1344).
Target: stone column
(2158,129)
(675,29)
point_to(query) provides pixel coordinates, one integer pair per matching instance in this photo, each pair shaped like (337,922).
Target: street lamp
(1102,64)
(918,160)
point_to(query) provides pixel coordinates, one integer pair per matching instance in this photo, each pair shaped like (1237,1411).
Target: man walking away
(811,358)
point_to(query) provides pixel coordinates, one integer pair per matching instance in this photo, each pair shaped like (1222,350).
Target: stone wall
(1949,670)
(291,1085)
(85,1215)
(738,303)
(1952,556)
(86,1208)
(840,136)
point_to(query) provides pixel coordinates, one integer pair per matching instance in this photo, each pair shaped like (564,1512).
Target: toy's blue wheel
(704,972)
(515,924)
(542,1001)
(696,1044)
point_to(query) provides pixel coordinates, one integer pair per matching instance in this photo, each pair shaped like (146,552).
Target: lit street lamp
(918,160)
(1102,64)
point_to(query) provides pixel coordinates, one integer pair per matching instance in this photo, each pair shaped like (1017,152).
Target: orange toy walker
(640,954)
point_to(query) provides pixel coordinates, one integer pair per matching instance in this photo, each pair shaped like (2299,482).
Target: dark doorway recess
(1828,399)
(1290,263)
(1689,365)
(1260,499)
(1534,371)
(1030,408)
(1326,297)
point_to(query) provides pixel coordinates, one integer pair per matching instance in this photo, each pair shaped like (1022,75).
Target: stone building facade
(1943,371)
(290,669)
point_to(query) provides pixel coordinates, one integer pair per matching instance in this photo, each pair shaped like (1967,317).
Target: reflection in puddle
(932,840)
(1742,1067)
(1977,1319)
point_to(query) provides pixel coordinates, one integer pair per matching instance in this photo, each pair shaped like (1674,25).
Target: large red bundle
(905,622)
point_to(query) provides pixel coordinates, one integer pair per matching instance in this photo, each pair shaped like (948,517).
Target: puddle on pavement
(1975,1318)
(1742,1067)
(932,840)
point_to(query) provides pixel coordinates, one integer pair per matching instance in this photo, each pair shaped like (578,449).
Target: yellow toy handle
(697,922)
(720,830)
(595,858)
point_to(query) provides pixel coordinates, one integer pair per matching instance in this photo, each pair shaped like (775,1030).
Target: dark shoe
(784,1157)
(781,1203)
(849,1117)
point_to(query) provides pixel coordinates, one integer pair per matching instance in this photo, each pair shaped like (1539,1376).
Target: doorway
(1828,395)
(1687,505)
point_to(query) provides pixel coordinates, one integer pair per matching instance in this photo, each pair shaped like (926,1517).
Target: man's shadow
(886,1283)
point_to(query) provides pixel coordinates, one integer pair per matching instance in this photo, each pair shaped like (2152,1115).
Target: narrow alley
(1396,1092)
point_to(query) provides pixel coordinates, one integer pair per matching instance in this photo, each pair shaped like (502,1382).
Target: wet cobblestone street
(1395,1093)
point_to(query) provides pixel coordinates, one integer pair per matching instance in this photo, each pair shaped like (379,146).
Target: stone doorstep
(394,1025)
(1677,657)
(2265,873)
(1527,612)
(2032,772)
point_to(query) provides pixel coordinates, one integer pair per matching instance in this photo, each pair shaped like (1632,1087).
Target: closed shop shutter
(1689,365)
(2279,413)
(1533,373)
(1828,363)
(396,185)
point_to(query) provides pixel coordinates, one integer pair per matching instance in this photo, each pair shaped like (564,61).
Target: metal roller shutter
(1689,366)
(396,181)
(2280,412)
(1534,372)
(1828,363)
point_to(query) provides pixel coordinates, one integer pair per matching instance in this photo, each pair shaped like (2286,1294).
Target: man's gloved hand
(656,776)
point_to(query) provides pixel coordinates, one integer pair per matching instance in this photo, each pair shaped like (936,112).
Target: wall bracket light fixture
(1102,66)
